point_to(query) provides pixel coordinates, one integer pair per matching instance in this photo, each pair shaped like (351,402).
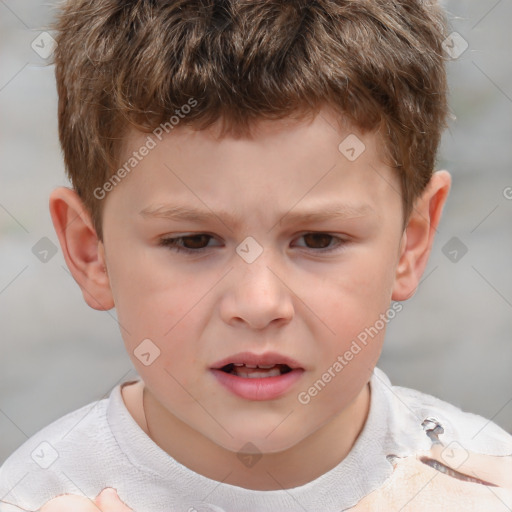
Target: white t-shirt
(100,445)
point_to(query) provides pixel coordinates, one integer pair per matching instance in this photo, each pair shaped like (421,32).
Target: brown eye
(319,240)
(190,243)
(198,241)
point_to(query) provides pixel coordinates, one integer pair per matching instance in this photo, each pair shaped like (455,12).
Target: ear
(419,234)
(83,252)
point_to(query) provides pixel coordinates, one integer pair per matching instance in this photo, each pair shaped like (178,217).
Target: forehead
(282,162)
(326,123)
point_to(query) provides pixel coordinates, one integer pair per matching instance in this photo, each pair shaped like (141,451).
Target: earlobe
(418,236)
(83,252)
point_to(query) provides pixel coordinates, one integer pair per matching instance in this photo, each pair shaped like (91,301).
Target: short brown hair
(132,63)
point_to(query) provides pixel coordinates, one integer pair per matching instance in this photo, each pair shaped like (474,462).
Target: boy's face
(296,298)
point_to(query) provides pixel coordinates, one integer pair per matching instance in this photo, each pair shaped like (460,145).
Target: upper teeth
(266,366)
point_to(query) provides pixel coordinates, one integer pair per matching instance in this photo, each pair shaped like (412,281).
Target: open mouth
(254,376)
(256,371)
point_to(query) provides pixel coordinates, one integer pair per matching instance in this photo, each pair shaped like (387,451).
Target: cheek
(359,292)
(351,304)
(156,302)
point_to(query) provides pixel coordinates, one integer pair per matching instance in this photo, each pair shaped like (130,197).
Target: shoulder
(409,409)
(443,457)
(37,470)
(473,431)
(418,487)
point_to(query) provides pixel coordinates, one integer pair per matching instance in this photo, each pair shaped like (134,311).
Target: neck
(324,449)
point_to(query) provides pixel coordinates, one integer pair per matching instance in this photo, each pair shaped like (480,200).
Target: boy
(253,191)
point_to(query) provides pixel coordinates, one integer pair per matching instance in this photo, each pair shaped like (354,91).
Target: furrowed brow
(321,213)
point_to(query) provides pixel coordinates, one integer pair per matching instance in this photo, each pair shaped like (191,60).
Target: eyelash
(172,243)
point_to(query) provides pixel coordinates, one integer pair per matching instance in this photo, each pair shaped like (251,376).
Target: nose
(257,294)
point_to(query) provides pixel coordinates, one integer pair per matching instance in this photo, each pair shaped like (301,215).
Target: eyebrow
(321,213)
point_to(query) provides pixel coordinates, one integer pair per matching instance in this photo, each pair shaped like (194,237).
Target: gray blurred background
(452,339)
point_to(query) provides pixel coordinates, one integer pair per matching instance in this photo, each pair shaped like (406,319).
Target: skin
(293,299)
(106,501)
(426,489)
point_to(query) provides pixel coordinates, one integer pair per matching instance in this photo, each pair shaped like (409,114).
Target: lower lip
(265,388)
